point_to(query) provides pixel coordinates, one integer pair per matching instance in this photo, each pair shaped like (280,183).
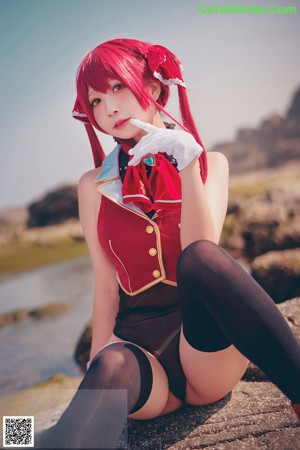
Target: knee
(111,362)
(199,255)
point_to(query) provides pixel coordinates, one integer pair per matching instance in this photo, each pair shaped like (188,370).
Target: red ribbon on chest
(156,189)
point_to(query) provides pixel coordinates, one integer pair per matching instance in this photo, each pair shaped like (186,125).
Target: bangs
(122,60)
(96,72)
(107,62)
(126,60)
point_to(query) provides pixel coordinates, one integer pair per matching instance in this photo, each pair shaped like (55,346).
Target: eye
(118,87)
(95,102)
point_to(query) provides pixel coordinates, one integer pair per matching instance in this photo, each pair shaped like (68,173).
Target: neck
(157,121)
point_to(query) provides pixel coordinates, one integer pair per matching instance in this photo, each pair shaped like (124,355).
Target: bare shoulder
(87,185)
(218,168)
(89,177)
(89,199)
(217,162)
(217,188)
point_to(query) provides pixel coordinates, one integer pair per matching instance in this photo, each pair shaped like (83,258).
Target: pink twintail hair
(97,150)
(126,60)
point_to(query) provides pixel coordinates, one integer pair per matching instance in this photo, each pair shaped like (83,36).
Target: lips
(121,123)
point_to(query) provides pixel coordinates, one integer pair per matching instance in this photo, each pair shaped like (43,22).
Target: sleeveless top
(143,250)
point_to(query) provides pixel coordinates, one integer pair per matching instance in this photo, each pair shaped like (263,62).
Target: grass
(252,184)
(229,224)
(248,190)
(19,257)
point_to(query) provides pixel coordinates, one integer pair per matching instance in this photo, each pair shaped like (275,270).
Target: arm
(106,296)
(204,206)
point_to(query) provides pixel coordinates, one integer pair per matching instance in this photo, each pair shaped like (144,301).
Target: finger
(136,159)
(138,154)
(142,145)
(144,126)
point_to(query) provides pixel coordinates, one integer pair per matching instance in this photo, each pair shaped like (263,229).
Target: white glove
(178,143)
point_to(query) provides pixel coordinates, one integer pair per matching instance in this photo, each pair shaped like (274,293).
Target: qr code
(18,431)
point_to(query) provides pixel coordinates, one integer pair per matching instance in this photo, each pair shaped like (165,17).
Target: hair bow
(164,65)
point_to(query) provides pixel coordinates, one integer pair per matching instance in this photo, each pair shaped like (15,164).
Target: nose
(111,107)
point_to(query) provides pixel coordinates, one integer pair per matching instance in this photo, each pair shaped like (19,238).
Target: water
(33,350)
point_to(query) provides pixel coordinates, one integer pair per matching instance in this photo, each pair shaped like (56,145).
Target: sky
(239,70)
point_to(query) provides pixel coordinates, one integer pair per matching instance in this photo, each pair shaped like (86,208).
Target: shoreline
(43,313)
(33,248)
(45,401)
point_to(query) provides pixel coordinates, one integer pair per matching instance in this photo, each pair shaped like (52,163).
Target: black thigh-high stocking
(222,304)
(98,411)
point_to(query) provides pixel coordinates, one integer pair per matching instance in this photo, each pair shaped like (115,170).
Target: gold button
(152,251)
(156,273)
(149,229)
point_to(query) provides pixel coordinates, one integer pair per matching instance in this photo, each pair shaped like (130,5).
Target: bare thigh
(161,400)
(210,375)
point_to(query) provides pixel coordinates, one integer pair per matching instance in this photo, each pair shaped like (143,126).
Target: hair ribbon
(164,66)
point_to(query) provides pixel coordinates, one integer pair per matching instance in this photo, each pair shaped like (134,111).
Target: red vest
(144,251)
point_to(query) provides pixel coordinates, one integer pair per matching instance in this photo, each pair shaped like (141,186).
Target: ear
(154,88)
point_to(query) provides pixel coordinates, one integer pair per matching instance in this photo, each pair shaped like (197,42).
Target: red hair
(125,60)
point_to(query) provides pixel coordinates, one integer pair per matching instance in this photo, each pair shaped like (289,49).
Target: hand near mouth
(178,143)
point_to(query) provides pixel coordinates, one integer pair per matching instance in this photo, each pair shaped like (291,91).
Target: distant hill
(55,207)
(275,142)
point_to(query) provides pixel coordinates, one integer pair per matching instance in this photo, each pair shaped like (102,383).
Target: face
(113,109)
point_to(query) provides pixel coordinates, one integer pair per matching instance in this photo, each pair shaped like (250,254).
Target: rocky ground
(256,415)
(262,228)
(273,142)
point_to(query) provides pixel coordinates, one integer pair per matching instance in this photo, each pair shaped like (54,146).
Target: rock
(48,236)
(271,144)
(17,215)
(52,309)
(83,346)
(291,311)
(44,236)
(45,401)
(12,317)
(294,110)
(254,416)
(78,237)
(56,207)
(278,272)
(259,224)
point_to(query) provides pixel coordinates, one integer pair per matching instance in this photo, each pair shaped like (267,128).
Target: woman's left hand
(178,143)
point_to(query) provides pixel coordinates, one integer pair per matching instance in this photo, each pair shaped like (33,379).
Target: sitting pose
(175,318)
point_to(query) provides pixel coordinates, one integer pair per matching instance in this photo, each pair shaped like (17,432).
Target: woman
(175,318)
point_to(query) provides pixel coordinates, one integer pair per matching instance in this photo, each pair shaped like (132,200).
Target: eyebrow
(93,92)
